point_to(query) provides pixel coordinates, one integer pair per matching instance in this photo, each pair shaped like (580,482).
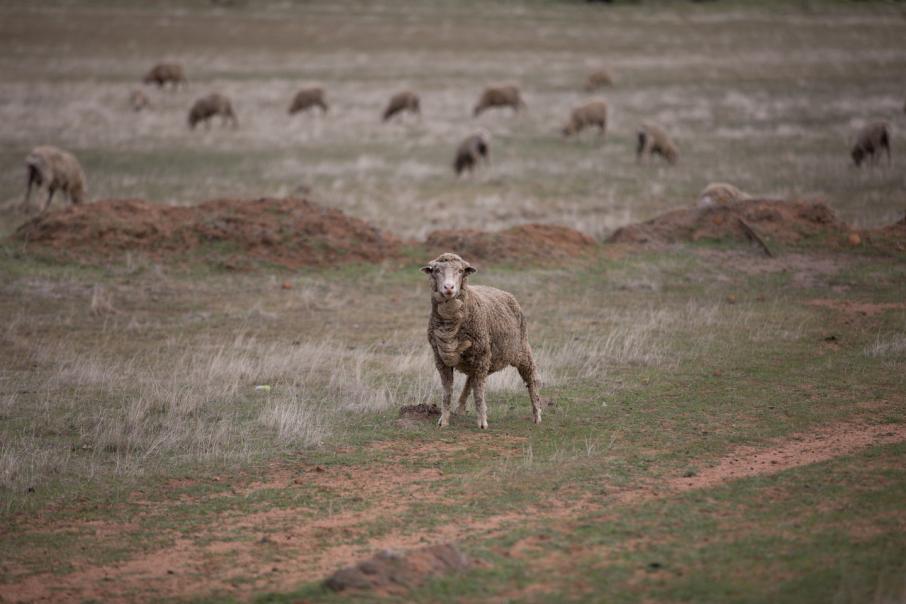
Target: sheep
(476,330)
(164,73)
(653,139)
(593,113)
(138,100)
(598,79)
(57,169)
(871,140)
(307,98)
(499,96)
(720,193)
(402,101)
(471,151)
(207,107)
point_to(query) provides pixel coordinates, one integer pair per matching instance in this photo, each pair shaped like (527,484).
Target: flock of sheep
(476,330)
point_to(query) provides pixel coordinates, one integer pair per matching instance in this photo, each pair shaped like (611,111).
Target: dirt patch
(536,243)
(394,572)
(797,450)
(243,553)
(865,309)
(773,220)
(420,411)
(890,238)
(288,232)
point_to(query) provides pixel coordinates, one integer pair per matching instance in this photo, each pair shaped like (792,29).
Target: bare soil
(288,232)
(305,547)
(394,572)
(537,243)
(777,220)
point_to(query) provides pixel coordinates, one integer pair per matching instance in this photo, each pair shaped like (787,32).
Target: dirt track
(175,571)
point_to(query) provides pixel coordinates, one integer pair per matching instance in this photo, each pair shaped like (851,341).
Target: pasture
(719,426)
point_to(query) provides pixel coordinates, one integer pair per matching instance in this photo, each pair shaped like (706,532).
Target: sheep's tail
(643,140)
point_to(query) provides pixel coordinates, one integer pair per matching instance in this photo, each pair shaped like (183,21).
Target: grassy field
(721,427)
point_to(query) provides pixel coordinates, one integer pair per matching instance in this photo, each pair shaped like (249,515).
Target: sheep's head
(858,155)
(447,274)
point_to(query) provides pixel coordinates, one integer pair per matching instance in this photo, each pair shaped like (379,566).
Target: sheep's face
(446,274)
(858,155)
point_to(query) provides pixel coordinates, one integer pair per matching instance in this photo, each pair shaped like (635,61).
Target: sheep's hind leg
(480,404)
(464,397)
(50,192)
(446,378)
(527,372)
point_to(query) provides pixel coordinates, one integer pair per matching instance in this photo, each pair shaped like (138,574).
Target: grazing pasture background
(767,97)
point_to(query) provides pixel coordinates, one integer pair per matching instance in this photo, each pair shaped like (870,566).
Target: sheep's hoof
(483,424)
(442,422)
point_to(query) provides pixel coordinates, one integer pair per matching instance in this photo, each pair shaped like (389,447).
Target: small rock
(854,239)
(286,285)
(731,299)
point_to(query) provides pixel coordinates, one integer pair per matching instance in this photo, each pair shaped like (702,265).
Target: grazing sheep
(499,96)
(720,193)
(870,141)
(593,113)
(56,169)
(471,151)
(598,79)
(477,331)
(653,139)
(402,101)
(138,100)
(207,107)
(307,98)
(164,73)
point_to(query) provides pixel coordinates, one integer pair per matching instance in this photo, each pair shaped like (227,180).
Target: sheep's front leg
(446,378)
(480,405)
(464,397)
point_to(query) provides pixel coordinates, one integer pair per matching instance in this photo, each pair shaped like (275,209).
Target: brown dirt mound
(773,220)
(421,410)
(390,571)
(891,238)
(288,232)
(541,243)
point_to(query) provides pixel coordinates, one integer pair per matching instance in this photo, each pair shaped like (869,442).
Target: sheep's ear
(427,269)
(470,269)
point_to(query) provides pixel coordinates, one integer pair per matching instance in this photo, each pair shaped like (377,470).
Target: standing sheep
(402,101)
(471,151)
(593,113)
(476,330)
(307,98)
(138,100)
(598,79)
(870,141)
(207,107)
(653,139)
(499,96)
(164,73)
(57,169)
